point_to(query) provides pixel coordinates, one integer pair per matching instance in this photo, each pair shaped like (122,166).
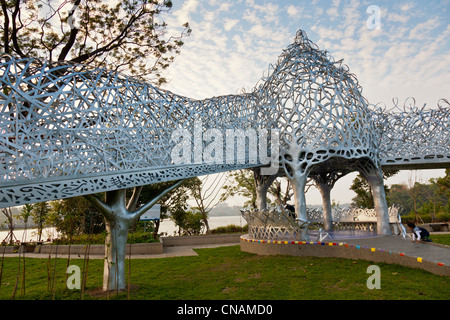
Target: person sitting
(419,233)
(291,210)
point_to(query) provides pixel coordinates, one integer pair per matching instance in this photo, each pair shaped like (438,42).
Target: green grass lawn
(441,238)
(228,273)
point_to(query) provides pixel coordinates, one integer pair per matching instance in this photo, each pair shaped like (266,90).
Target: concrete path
(175,251)
(427,250)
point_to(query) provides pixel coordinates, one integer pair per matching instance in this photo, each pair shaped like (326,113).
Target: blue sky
(232,44)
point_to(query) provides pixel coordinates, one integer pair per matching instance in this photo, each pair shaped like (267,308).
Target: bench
(438,226)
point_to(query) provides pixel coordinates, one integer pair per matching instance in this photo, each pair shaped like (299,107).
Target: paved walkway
(175,251)
(427,250)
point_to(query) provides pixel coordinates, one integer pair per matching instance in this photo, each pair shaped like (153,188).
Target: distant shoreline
(29,227)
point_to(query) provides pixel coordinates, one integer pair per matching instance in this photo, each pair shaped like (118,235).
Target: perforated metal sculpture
(325,122)
(69,130)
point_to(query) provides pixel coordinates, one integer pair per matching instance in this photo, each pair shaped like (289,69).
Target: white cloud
(397,17)
(333,12)
(251,16)
(230,23)
(189,7)
(293,11)
(327,33)
(407,6)
(259,30)
(421,30)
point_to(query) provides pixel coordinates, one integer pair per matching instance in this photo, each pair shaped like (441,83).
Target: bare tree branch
(73,34)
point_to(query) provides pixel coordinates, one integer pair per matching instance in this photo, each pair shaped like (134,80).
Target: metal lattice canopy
(68,130)
(319,109)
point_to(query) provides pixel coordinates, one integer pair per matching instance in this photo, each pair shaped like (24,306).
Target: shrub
(230,229)
(441,216)
(133,237)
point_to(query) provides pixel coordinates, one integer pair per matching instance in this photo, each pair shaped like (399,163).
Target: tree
(398,195)
(205,193)
(243,185)
(431,193)
(11,226)
(421,199)
(128,36)
(39,216)
(68,215)
(364,197)
(281,198)
(173,203)
(189,222)
(443,184)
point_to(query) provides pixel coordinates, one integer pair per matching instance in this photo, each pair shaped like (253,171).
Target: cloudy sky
(232,44)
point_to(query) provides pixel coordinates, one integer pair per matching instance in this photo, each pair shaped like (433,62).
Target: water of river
(167,227)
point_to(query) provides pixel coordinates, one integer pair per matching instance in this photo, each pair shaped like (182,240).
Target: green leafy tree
(189,222)
(364,198)
(361,187)
(39,216)
(68,215)
(443,185)
(398,194)
(128,36)
(421,201)
(173,204)
(25,213)
(242,184)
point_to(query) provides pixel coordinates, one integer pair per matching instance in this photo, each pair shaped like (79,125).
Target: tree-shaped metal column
(119,218)
(325,182)
(262,184)
(321,114)
(374,177)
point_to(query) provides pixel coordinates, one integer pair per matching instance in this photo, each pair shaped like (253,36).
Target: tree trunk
(205,220)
